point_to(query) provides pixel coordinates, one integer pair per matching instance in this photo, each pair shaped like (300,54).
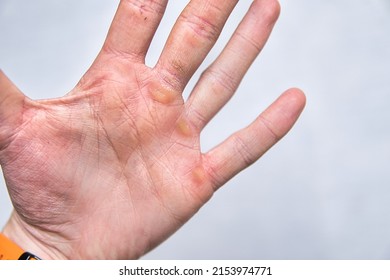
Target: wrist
(28,240)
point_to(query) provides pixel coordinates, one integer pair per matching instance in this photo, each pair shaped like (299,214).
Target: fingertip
(297,97)
(282,114)
(270,9)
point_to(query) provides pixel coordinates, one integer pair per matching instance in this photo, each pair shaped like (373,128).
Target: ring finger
(219,82)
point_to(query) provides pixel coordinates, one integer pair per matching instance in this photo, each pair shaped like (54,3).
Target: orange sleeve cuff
(8,249)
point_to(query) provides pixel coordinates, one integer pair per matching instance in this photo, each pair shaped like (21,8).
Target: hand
(113,168)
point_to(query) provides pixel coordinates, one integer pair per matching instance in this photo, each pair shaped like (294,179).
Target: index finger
(133,28)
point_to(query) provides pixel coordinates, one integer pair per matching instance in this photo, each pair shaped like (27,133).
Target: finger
(247,145)
(219,82)
(11,104)
(133,27)
(195,32)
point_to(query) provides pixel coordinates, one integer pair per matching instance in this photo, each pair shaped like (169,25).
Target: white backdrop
(323,192)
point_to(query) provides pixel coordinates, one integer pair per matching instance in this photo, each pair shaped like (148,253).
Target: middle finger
(192,37)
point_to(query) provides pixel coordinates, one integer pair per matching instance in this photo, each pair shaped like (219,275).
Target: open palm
(114,167)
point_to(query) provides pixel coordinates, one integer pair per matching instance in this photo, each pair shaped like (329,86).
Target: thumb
(11,106)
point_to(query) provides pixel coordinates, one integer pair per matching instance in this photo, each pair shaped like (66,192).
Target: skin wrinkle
(122,55)
(268,125)
(169,211)
(145,6)
(101,124)
(202,21)
(153,121)
(145,167)
(197,119)
(256,46)
(171,78)
(36,191)
(180,220)
(243,150)
(94,85)
(222,78)
(179,67)
(5,141)
(201,26)
(18,124)
(155,191)
(212,172)
(26,121)
(166,79)
(33,232)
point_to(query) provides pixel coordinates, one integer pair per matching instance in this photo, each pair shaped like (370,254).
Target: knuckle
(271,129)
(243,150)
(172,76)
(143,7)
(216,176)
(199,118)
(201,25)
(257,46)
(221,78)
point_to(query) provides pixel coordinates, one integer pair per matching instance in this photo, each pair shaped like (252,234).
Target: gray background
(323,191)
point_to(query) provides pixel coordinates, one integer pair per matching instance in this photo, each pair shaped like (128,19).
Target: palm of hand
(116,148)
(115,167)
